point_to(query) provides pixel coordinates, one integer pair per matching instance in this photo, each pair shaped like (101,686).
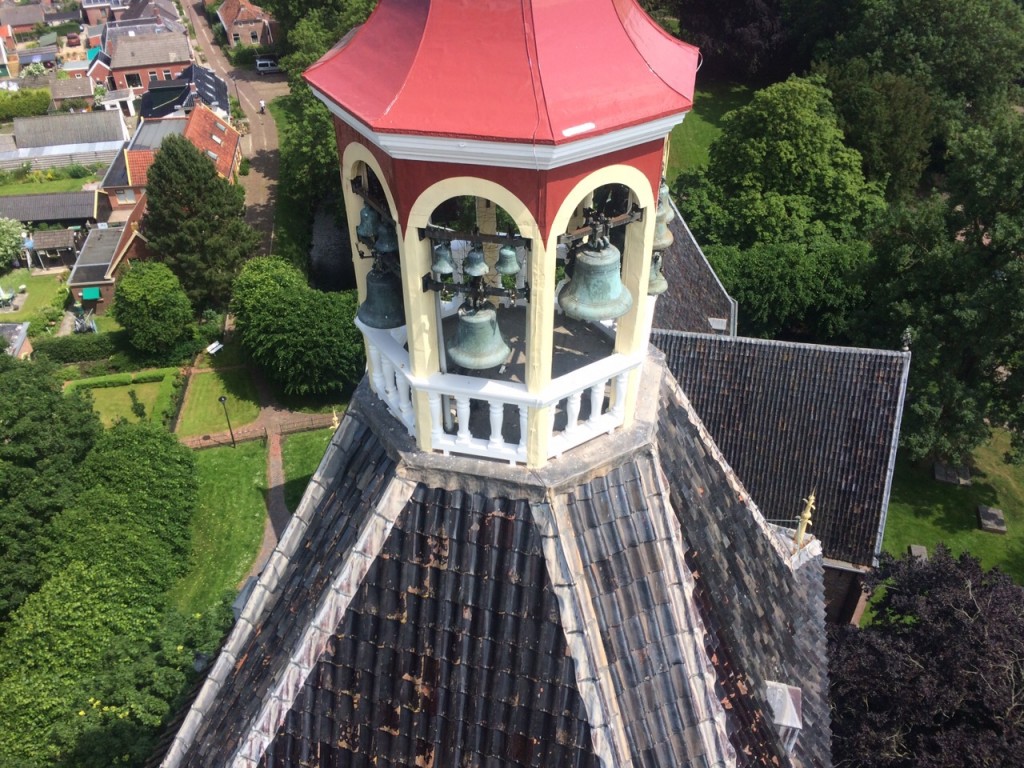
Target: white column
(376,376)
(435,417)
(596,401)
(462,412)
(497,413)
(572,413)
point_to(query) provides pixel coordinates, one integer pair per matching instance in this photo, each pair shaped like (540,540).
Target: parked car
(265,65)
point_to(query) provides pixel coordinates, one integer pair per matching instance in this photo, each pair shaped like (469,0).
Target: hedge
(122,379)
(80,347)
(26,103)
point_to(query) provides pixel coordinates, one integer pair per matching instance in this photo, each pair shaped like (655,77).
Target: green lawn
(113,403)
(106,323)
(301,454)
(227,528)
(923,511)
(41,187)
(690,141)
(42,289)
(231,356)
(203,414)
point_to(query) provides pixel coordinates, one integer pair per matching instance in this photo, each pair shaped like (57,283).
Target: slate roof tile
(792,418)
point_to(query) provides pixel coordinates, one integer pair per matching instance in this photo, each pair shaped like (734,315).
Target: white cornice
(504,154)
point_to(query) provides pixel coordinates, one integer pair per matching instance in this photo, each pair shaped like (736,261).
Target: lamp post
(224,402)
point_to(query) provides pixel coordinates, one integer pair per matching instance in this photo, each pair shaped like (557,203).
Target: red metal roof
(535,71)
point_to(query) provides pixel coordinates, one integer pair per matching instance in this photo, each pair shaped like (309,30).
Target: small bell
(384,306)
(474,265)
(442,263)
(387,241)
(595,291)
(369,220)
(663,237)
(665,199)
(507,263)
(477,343)
(657,284)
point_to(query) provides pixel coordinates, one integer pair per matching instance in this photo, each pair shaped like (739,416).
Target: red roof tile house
(247,23)
(125,180)
(21,18)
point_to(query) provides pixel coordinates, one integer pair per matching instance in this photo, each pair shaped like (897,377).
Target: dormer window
(785,701)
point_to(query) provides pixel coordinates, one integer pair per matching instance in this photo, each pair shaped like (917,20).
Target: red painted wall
(120,75)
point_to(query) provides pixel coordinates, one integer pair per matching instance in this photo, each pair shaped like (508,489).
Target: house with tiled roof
(138,60)
(72,89)
(196,85)
(247,24)
(100,11)
(21,18)
(522,546)
(104,256)
(125,179)
(62,139)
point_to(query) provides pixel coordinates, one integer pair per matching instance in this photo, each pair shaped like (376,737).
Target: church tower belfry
(501,168)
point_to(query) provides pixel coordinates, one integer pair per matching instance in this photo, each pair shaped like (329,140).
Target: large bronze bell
(477,342)
(387,240)
(474,264)
(384,307)
(369,220)
(507,263)
(595,291)
(441,263)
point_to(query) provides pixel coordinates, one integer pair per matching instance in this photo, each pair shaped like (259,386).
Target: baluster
(572,413)
(497,413)
(389,383)
(618,406)
(405,401)
(462,412)
(436,432)
(524,423)
(376,374)
(596,402)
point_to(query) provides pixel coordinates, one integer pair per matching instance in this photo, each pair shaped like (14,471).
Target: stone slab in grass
(991,519)
(918,552)
(944,473)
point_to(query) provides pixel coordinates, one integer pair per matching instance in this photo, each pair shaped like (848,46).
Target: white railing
(598,388)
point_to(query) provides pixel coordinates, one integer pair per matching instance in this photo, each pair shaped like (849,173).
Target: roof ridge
(783,343)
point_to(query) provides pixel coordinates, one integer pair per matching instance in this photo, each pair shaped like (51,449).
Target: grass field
(301,454)
(42,187)
(113,403)
(227,528)
(923,511)
(42,289)
(690,141)
(203,414)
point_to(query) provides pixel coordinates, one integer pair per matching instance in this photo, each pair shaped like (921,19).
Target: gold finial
(334,418)
(805,520)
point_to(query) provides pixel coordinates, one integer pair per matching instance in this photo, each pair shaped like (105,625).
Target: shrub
(80,347)
(243,167)
(26,103)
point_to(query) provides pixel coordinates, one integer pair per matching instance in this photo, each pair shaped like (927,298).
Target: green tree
(887,117)
(10,242)
(304,339)
(968,53)
(44,436)
(194,223)
(153,308)
(949,271)
(782,185)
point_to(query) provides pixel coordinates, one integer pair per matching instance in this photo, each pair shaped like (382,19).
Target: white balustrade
(394,384)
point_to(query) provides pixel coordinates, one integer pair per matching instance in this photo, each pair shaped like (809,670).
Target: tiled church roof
(429,610)
(695,297)
(796,418)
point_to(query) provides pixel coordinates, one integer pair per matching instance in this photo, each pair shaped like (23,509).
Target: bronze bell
(442,263)
(474,265)
(657,284)
(507,263)
(663,237)
(384,307)
(387,240)
(369,220)
(595,291)
(477,342)
(665,199)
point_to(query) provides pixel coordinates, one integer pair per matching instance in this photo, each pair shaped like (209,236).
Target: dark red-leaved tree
(936,680)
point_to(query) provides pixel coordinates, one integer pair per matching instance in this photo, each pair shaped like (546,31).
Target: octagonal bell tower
(501,165)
